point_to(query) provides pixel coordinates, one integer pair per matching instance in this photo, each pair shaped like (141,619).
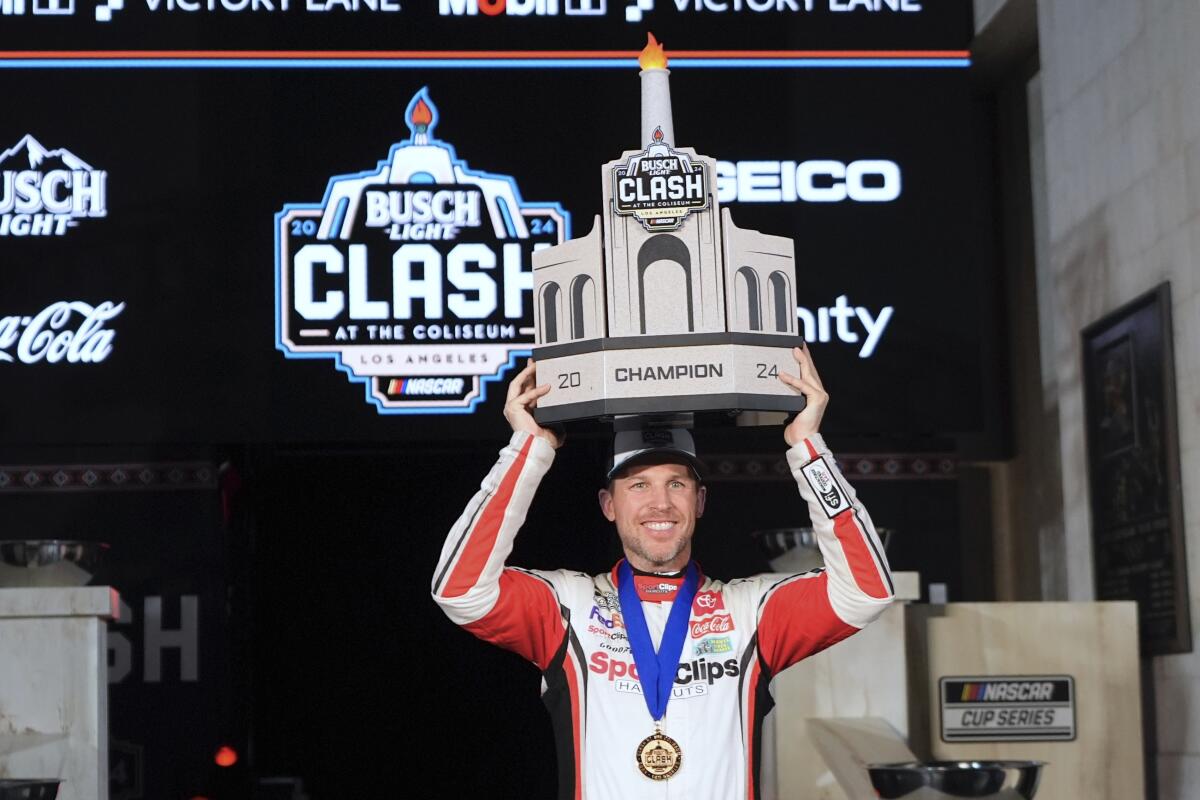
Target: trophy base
(683,373)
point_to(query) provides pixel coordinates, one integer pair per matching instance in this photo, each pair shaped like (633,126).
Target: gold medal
(659,756)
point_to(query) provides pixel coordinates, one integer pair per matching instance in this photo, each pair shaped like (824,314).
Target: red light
(226,756)
(198,797)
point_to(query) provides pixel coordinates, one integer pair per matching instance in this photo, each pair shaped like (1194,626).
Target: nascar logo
(1007,692)
(426,386)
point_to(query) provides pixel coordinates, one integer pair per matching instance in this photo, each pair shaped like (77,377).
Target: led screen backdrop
(313,221)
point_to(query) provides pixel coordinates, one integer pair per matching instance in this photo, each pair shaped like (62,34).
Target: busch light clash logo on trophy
(660,186)
(415,276)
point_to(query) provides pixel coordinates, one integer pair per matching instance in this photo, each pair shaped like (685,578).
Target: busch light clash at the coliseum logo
(414,276)
(659,186)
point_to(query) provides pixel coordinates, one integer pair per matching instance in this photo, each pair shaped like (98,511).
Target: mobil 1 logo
(414,277)
(996,708)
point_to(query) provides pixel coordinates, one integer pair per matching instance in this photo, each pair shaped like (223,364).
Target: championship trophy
(669,308)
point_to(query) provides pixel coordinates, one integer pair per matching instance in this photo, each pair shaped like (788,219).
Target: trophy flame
(656,94)
(652,56)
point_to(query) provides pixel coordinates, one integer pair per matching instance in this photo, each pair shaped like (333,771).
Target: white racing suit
(742,633)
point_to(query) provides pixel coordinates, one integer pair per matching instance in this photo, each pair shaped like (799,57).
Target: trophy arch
(780,298)
(747,298)
(664,247)
(584,323)
(550,304)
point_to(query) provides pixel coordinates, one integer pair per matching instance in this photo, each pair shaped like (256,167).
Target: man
(622,734)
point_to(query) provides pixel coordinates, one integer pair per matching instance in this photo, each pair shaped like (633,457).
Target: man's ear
(701,494)
(606,505)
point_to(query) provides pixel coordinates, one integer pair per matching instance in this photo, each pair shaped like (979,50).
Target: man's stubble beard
(633,544)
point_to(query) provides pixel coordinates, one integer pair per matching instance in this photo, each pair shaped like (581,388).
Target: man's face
(655,508)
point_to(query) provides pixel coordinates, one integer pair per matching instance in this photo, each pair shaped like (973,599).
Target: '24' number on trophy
(764,372)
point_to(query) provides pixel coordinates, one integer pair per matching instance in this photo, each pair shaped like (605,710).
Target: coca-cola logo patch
(719,623)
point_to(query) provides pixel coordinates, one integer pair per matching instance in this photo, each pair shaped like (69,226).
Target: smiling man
(656,676)
(654,496)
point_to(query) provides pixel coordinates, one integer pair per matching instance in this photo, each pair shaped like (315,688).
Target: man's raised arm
(804,614)
(510,608)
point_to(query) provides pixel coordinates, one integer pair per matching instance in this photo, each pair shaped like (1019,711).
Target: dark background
(321,653)
(200,160)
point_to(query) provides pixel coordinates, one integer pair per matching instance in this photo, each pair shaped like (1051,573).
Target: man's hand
(522,399)
(808,421)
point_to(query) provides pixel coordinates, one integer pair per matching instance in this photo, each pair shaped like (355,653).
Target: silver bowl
(48,562)
(942,780)
(36,789)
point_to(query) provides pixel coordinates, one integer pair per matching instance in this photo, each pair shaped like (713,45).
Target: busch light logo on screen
(46,192)
(414,276)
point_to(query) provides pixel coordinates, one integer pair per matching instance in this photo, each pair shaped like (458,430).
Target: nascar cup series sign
(414,276)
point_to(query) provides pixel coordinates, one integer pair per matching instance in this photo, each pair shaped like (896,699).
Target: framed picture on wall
(1133,468)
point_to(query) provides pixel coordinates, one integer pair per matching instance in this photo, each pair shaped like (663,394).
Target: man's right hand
(522,399)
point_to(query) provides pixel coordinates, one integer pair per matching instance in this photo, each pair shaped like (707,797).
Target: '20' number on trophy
(765,371)
(568,380)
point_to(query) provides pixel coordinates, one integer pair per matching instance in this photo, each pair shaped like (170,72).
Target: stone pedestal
(890,677)
(54,686)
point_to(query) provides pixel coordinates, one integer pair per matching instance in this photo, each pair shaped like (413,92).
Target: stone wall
(1115,126)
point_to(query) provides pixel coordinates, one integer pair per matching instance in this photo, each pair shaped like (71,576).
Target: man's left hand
(808,421)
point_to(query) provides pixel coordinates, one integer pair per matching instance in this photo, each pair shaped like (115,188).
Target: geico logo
(819,181)
(317,263)
(77,192)
(494,8)
(699,670)
(447,207)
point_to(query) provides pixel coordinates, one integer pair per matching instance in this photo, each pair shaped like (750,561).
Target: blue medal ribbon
(656,671)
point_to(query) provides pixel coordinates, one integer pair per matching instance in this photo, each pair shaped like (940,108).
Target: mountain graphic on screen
(37,156)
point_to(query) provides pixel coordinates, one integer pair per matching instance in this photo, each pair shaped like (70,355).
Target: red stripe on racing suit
(510,608)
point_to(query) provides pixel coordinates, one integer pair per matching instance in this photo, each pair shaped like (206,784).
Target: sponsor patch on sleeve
(829,492)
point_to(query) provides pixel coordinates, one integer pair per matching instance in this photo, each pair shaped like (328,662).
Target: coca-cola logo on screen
(66,332)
